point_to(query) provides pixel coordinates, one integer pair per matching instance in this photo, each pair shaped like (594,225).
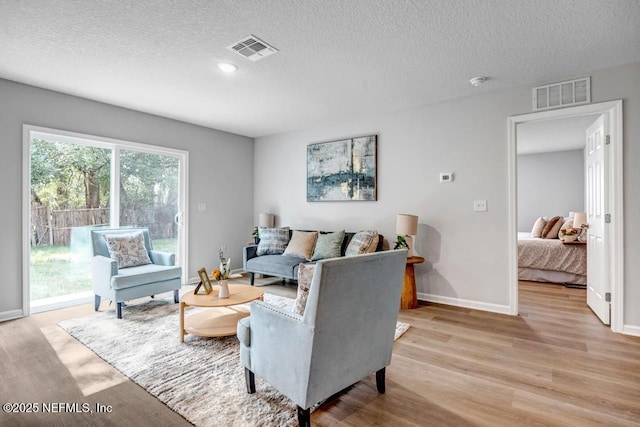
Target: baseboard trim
(476,305)
(10,315)
(631,330)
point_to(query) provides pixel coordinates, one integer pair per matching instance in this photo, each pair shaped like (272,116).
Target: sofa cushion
(128,249)
(328,245)
(273,241)
(301,244)
(276,265)
(144,274)
(305,276)
(363,242)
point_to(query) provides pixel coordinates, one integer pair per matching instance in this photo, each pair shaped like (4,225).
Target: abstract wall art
(342,170)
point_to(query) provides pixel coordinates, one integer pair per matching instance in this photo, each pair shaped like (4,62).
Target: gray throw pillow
(328,245)
(273,241)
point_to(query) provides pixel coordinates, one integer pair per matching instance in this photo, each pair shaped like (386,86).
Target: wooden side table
(409,298)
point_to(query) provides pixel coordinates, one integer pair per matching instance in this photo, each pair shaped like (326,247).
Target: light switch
(479,205)
(202,207)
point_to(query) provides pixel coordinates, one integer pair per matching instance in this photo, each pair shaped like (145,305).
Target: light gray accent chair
(345,334)
(124,284)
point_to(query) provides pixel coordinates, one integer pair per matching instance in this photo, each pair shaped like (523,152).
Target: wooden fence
(54,227)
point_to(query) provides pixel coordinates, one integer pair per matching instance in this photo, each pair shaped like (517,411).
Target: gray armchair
(123,284)
(345,334)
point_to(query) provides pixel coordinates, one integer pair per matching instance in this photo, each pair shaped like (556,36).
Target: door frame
(615,269)
(115,144)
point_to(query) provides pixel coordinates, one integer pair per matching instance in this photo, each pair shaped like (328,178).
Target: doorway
(75,183)
(614,265)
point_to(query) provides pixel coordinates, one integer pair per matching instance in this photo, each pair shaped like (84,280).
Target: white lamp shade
(266,220)
(579,219)
(406,225)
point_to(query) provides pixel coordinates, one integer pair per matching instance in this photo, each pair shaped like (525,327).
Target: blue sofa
(123,284)
(284,266)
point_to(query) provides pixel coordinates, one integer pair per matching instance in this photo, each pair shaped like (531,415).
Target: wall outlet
(479,205)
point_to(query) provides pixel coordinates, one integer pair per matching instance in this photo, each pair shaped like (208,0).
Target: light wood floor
(555,364)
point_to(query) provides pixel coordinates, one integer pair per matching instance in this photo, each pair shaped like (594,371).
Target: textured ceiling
(567,133)
(337,59)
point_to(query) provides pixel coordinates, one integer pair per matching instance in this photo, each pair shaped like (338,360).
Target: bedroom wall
(211,181)
(466,251)
(549,184)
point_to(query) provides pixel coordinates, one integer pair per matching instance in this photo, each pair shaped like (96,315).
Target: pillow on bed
(550,231)
(567,224)
(538,227)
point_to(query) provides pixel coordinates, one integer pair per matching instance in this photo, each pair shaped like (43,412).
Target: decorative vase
(224,289)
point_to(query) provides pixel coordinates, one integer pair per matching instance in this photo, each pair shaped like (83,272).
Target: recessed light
(227,67)
(477,81)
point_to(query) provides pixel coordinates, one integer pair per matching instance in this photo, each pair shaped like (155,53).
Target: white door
(597,207)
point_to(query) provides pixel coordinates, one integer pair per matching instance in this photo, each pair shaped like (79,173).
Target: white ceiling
(337,58)
(553,135)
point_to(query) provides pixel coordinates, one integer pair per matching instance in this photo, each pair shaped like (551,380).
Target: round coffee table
(222,314)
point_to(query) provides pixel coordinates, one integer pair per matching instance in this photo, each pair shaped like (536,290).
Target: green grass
(59,270)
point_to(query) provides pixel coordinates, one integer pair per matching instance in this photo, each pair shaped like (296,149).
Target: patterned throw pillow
(328,245)
(305,276)
(363,242)
(567,224)
(302,244)
(538,227)
(128,249)
(550,231)
(273,241)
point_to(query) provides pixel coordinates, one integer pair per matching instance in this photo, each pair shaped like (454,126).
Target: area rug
(144,346)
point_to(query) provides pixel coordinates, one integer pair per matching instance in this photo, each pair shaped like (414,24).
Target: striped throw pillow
(273,241)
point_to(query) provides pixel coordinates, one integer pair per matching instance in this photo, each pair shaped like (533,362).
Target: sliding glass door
(78,183)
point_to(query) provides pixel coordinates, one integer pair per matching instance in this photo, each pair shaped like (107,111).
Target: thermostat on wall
(446,176)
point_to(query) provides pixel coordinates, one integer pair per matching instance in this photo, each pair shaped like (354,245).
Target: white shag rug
(145,347)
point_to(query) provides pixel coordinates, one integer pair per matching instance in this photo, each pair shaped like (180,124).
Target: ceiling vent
(252,48)
(563,94)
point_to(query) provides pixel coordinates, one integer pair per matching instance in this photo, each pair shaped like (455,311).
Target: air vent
(563,94)
(252,48)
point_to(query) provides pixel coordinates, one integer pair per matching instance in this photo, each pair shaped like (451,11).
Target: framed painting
(342,170)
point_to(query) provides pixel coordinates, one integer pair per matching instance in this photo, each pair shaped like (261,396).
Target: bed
(549,260)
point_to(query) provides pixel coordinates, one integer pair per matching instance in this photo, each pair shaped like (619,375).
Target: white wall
(219,164)
(466,251)
(549,184)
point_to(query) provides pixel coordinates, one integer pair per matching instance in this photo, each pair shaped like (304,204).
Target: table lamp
(407,227)
(580,221)
(266,220)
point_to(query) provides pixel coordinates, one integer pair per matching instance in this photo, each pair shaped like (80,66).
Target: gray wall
(466,251)
(549,184)
(220,173)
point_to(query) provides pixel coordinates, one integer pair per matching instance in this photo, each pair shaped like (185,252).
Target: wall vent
(252,48)
(562,94)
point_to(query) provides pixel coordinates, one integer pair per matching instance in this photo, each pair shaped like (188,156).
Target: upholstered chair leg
(304,417)
(119,310)
(250,378)
(380,381)
(252,277)
(96,302)
(176,296)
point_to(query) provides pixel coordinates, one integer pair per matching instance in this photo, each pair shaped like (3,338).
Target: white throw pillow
(538,227)
(128,249)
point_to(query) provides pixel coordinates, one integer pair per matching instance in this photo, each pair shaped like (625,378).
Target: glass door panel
(149,196)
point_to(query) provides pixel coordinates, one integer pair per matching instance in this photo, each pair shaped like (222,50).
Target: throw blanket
(551,254)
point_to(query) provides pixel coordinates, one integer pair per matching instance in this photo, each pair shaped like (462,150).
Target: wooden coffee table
(222,314)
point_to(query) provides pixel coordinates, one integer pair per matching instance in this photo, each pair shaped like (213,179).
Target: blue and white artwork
(342,170)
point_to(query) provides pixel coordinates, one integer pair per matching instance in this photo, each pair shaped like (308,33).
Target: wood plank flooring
(554,364)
